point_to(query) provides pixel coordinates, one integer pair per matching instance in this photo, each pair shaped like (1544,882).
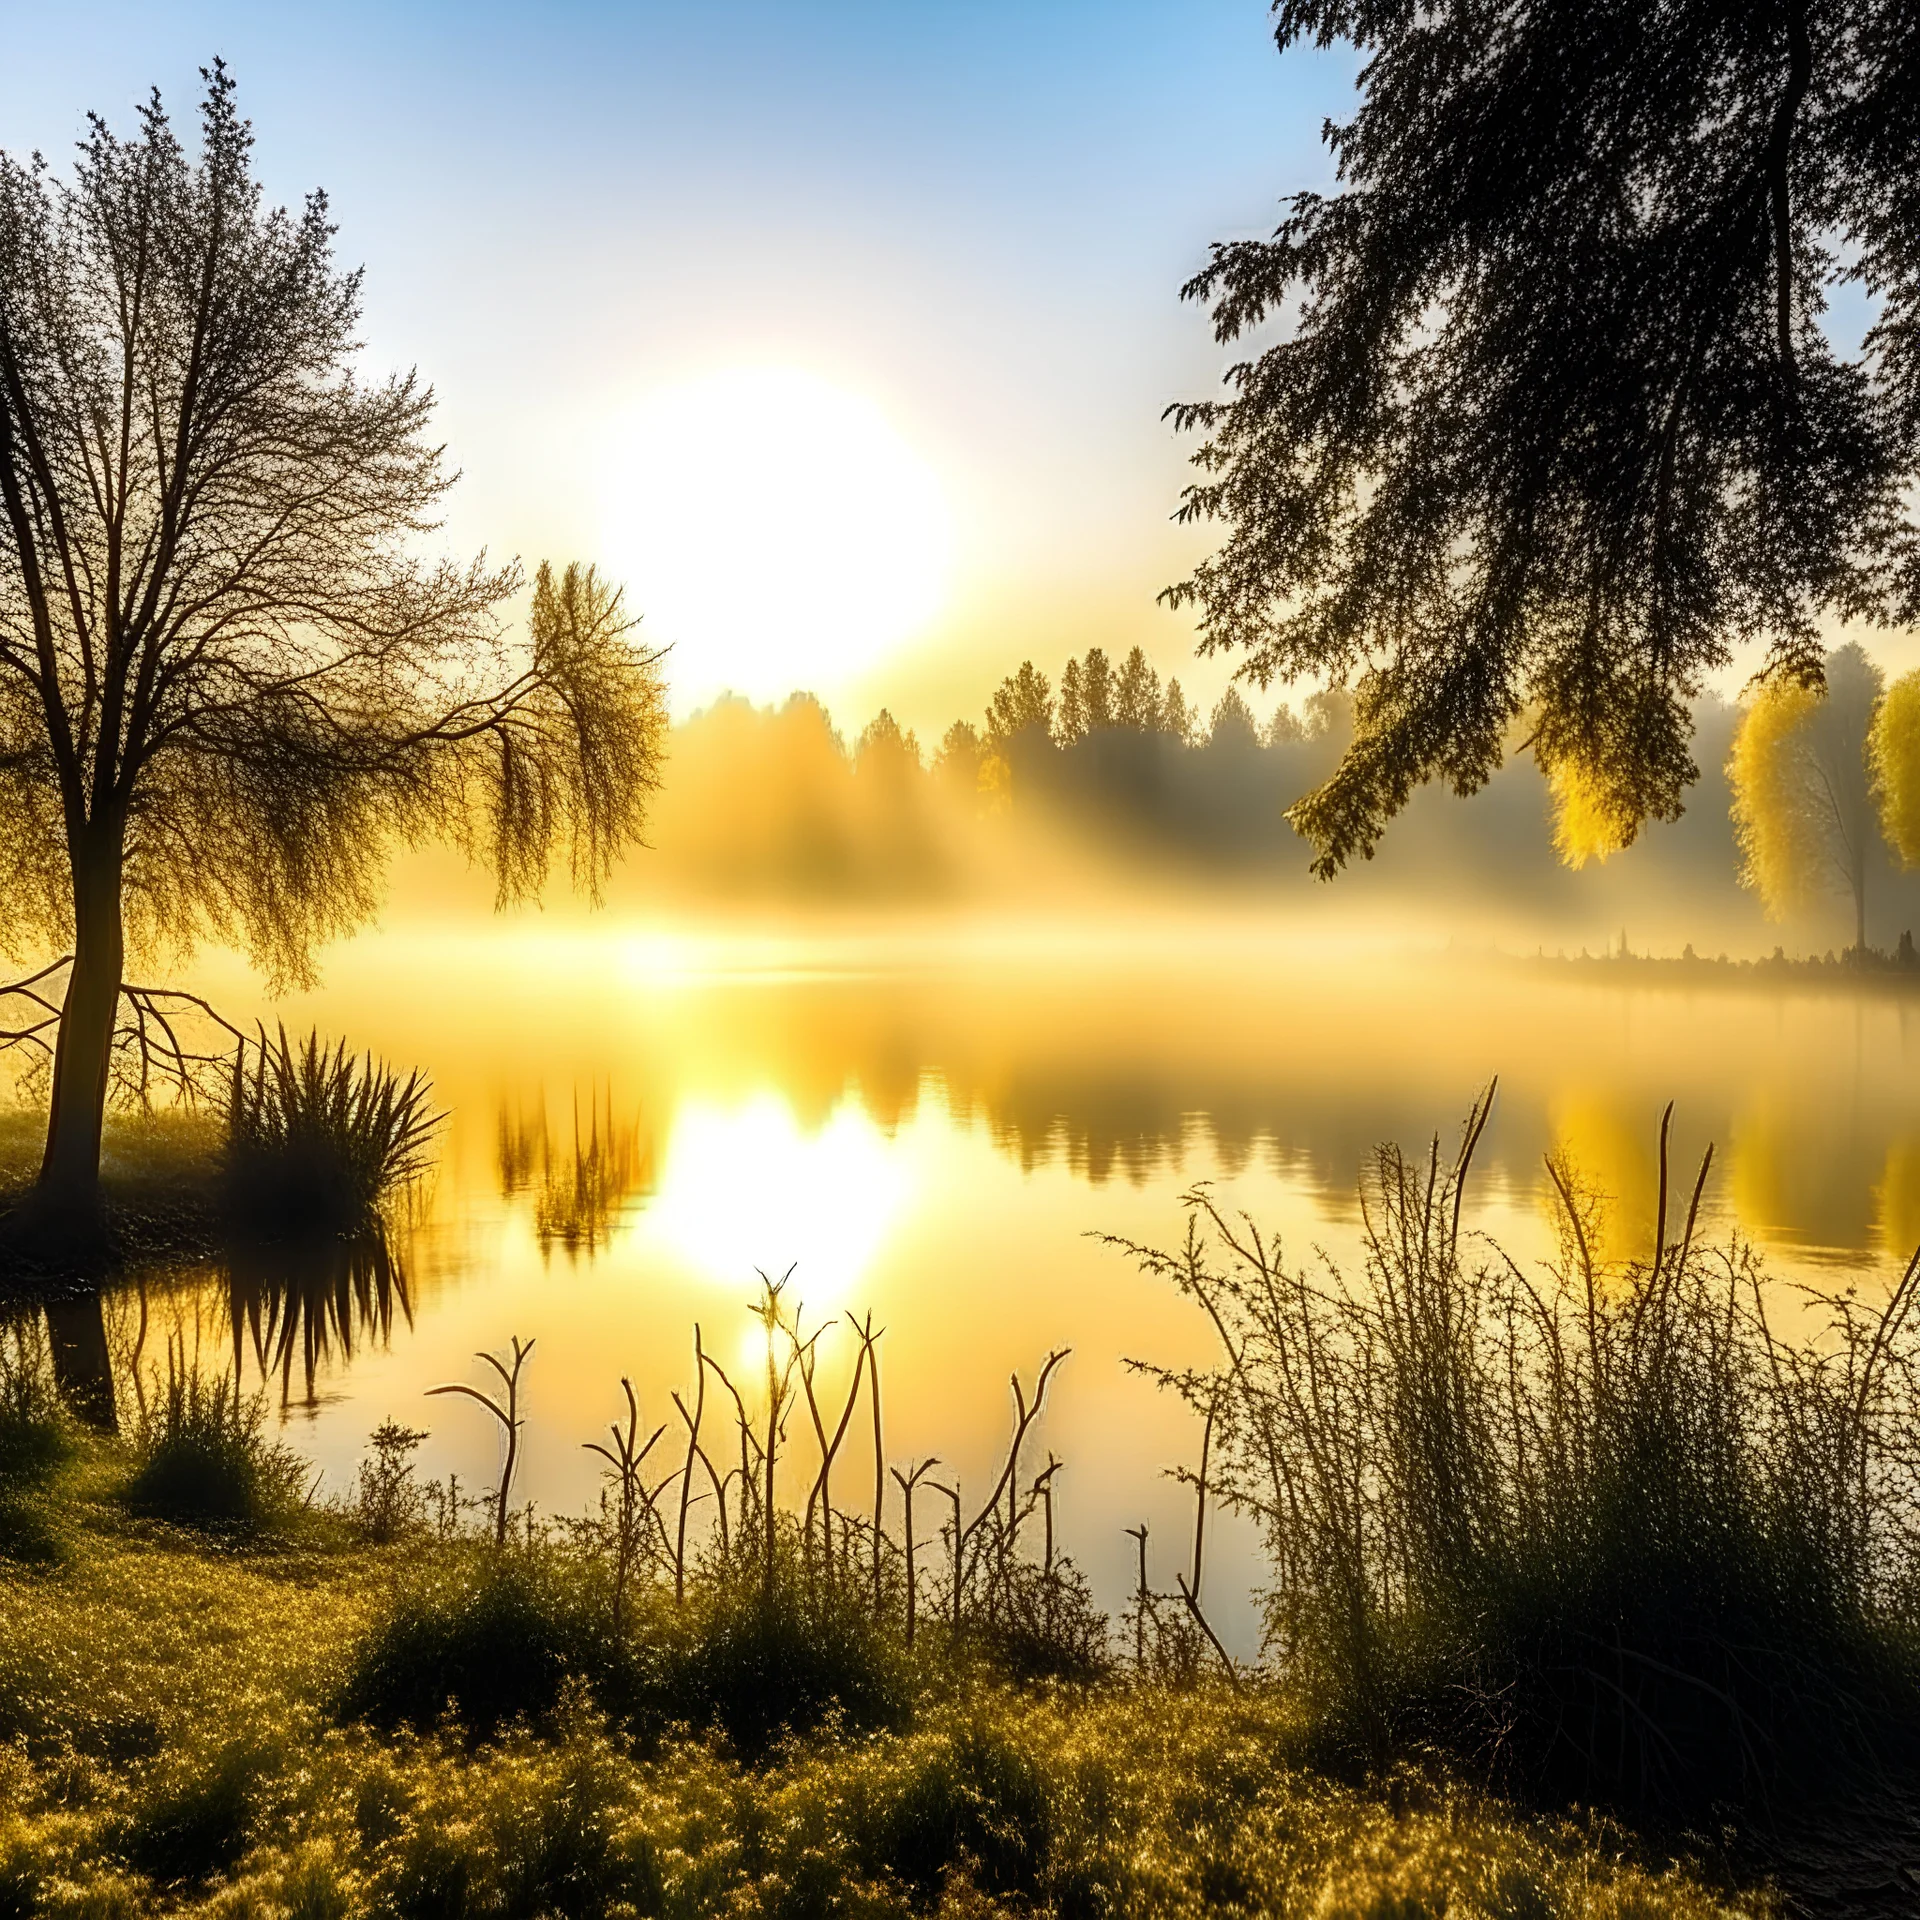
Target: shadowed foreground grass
(177,1735)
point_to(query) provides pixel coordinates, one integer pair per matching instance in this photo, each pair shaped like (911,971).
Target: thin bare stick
(686,1480)
(959,1547)
(823,1483)
(1200,1620)
(1693,1206)
(908,1481)
(1660,1216)
(1200,1495)
(509,1418)
(868,1339)
(1476,1125)
(1140,1598)
(625,1458)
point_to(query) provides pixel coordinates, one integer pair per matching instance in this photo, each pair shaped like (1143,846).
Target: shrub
(486,1637)
(1041,1623)
(975,1802)
(756,1664)
(193,1823)
(387,1501)
(202,1458)
(317,1140)
(1605,1533)
(489,1636)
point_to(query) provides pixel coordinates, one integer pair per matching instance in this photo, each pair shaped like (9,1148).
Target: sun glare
(746,1187)
(776,529)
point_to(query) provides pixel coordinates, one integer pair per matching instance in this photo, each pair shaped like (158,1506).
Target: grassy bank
(206,1722)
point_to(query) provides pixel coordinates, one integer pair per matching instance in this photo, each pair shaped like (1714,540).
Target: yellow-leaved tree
(1895,753)
(1585,826)
(1802,773)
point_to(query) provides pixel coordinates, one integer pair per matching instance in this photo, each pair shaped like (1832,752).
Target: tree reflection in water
(578,1197)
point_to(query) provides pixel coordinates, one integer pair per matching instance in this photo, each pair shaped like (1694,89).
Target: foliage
(1606,1534)
(1803,802)
(387,1501)
(1583,827)
(202,1457)
(1537,412)
(1778,858)
(36,1431)
(484,1639)
(37,1439)
(757,1664)
(194,1820)
(1022,704)
(317,1140)
(1167,1806)
(1895,753)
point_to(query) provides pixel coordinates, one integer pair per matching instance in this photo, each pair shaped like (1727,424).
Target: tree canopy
(1539,424)
(229,679)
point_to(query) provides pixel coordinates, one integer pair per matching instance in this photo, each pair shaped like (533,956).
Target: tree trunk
(83,1055)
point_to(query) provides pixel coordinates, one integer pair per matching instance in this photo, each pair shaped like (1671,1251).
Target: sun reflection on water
(746,1186)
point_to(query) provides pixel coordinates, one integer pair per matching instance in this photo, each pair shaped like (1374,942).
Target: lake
(937,1124)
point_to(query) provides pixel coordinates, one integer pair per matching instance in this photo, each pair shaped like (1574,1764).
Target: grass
(1600,1535)
(481,1638)
(484,1637)
(309,1722)
(167,1747)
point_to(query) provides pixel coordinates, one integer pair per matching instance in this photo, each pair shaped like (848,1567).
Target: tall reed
(1601,1529)
(317,1139)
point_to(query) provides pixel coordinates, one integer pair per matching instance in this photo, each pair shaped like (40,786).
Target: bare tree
(229,684)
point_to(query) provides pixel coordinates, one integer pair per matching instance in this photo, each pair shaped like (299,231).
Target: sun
(746,1187)
(776,529)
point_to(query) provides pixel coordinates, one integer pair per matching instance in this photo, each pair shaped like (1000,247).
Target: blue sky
(976,215)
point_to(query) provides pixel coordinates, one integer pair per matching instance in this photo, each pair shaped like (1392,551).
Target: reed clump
(318,1140)
(37,1440)
(1602,1532)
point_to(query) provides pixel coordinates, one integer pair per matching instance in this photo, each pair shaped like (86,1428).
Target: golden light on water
(748,1188)
(774,528)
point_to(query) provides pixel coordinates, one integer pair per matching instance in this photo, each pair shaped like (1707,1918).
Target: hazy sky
(966,222)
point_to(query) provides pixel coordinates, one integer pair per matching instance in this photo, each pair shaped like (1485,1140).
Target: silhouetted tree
(1136,695)
(227,682)
(883,751)
(1176,717)
(1023,700)
(1234,729)
(1554,424)
(957,765)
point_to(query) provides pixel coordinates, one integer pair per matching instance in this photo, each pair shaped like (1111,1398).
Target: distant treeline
(1110,772)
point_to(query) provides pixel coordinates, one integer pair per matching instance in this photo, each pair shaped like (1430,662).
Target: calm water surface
(938,1129)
